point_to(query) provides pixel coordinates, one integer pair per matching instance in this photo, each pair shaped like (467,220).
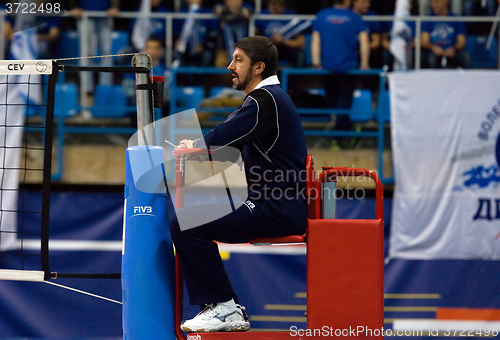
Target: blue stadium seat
(361,108)
(384,105)
(68,45)
(66,100)
(109,102)
(480,56)
(120,40)
(189,97)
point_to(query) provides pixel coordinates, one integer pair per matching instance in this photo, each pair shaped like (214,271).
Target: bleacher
(110,113)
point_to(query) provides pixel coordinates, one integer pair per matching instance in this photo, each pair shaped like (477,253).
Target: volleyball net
(29,92)
(26,94)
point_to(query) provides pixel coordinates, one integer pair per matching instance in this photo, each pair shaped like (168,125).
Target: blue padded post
(148,257)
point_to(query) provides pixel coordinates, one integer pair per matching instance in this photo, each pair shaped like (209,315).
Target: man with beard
(268,131)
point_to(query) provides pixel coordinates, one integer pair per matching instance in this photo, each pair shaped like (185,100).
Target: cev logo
(15,67)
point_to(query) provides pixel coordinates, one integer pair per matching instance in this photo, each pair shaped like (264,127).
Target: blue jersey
(339,31)
(267,128)
(270,27)
(444,33)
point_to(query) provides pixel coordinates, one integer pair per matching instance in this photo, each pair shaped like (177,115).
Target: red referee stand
(345,266)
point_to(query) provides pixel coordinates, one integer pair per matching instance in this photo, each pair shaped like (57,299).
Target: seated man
(267,128)
(443,42)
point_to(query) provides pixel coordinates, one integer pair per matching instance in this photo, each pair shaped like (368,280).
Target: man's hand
(437,50)
(364,67)
(185,144)
(449,52)
(113,12)
(77,12)
(277,38)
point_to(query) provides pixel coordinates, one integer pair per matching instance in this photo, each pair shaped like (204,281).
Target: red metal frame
(353,172)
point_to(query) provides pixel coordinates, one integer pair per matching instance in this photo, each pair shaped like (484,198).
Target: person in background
(157,25)
(443,42)
(290,49)
(362,7)
(7,33)
(154,47)
(98,33)
(476,8)
(195,38)
(340,43)
(48,36)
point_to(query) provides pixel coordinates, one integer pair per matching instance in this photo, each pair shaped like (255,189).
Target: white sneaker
(216,318)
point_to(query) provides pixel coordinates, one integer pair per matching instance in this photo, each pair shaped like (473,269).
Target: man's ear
(259,68)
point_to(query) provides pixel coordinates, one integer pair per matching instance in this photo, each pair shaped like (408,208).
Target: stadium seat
(66,100)
(68,45)
(480,56)
(361,108)
(120,40)
(189,97)
(307,50)
(384,106)
(109,102)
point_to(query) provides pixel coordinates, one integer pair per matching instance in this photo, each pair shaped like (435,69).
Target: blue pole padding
(148,256)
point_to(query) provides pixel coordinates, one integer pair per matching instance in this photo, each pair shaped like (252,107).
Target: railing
(176,131)
(378,113)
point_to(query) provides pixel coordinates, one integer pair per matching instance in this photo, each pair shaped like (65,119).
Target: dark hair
(156,40)
(260,49)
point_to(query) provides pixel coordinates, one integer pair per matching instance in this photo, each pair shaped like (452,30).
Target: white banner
(11,67)
(446,149)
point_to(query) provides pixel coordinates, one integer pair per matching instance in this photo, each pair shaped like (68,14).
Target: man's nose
(231,66)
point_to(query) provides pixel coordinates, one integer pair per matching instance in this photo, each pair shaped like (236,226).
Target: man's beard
(240,86)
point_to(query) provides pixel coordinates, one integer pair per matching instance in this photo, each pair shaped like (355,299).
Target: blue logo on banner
(481,176)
